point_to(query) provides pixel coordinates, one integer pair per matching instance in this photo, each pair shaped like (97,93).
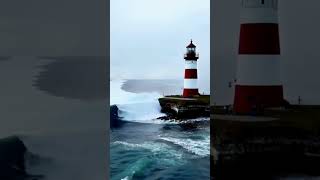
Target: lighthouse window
(191,50)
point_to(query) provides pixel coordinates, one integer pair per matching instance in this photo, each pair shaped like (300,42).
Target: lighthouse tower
(258,83)
(190,74)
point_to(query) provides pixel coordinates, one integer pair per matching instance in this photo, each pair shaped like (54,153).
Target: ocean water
(146,148)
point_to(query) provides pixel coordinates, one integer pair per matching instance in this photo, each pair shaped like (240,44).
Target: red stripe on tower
(251,36)
(190,74)
(258,72)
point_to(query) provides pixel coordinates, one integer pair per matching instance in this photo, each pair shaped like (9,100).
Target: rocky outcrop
(180,108)
(115,120)
(12,159)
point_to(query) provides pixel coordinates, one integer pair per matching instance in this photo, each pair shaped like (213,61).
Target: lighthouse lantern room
(190,74)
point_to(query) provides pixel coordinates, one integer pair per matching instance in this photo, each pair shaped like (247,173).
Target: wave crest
(142,107)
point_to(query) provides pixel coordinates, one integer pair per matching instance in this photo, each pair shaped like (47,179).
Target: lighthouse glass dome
(191,50)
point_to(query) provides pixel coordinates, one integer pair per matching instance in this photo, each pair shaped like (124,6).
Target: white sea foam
(137,107)
(154,147)
(198,147)
(126,178)
(148,146)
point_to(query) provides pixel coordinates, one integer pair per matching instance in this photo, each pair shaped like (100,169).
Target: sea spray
(141,107)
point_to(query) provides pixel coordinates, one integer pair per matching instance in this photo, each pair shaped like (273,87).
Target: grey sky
(53,27)
(299,36)
(148,37)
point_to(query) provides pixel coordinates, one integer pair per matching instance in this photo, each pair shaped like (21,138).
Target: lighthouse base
(190,92)
(252,99)
(181,108)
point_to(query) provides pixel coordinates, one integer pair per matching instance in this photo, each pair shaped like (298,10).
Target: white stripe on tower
(258,71)
(190,64)
(190,84)
(252,13)
(255,69)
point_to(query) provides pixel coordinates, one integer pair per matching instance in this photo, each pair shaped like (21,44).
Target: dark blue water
(160,151)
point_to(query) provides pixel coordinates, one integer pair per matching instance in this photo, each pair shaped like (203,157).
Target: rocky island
(181,108)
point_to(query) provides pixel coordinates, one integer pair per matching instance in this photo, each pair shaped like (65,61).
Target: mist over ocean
(144,147)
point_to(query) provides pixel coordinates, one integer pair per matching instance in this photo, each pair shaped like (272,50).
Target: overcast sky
(300,49)
(53,27)
(148,38)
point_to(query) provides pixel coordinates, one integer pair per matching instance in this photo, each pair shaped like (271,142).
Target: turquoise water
(159,151)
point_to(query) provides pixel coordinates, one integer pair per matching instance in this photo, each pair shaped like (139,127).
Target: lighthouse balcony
(191,56)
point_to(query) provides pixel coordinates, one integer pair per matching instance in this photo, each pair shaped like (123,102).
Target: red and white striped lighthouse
(190,74)
(258,83)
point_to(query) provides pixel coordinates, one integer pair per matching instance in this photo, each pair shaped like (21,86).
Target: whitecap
(198,147)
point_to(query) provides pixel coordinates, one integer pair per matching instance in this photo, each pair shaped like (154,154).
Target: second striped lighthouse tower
(258,83)
(191,74)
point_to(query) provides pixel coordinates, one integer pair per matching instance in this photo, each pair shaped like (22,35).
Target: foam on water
(141,107)
(198,147)
(155,148)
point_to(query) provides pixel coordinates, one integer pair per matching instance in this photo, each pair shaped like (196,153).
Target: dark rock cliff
(114,116)
(12,161)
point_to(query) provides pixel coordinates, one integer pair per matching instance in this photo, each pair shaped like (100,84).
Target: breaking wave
(142,107)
